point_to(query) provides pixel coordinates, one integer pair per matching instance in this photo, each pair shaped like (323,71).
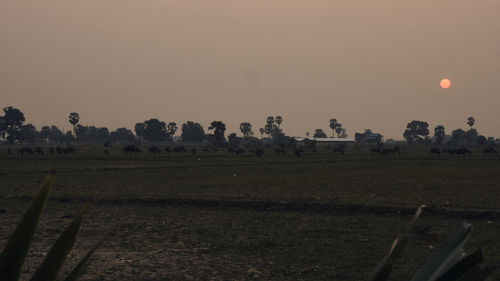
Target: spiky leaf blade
(14,253)
(384,267)
(461,267)
(80,267)
(446,256)
(54,260)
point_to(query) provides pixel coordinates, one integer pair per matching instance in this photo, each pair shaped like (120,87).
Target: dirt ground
(225,217)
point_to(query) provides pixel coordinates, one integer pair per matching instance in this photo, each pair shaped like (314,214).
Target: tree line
(14,130)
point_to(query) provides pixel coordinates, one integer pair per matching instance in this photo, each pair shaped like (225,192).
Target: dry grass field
(216,216)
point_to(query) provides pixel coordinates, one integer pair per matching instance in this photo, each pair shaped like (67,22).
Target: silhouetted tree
(481,140)
(270,120)
(74,118)
(471,137)
(308,134)
(12,122)
(261,130)
(45,133)
(318,133)
(278,120)
(234,140)
(471,121)
(122,136)
(246,129)
(359,137)
(219,129)
(335,126)
(338,130)
(192,132)
(457,137)
(368,137)
(155,130)
(171,129)
(277,134)
(139,130)
(416,130)
(68,137)
(81,133)
(267,129)
(343,133)
(439,134)
(269,126)
(28,134)
(56,135)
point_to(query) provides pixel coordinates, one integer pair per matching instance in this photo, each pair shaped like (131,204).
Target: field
(216,216)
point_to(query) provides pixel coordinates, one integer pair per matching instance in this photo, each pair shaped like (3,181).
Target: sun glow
(445,83)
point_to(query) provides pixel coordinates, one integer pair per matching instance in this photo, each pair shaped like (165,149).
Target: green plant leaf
(384,267)
(476,273)
(54,260)
(461,267)
(80,267)
(14,253)
(446,256)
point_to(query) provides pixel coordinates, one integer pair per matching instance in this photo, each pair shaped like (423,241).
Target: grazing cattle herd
(298,151)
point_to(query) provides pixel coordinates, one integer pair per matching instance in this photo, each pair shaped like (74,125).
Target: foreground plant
(14,253)
(449,263)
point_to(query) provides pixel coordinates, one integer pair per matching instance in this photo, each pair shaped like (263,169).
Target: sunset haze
(369,64)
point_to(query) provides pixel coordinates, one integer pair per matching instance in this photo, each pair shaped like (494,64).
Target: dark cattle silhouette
(180,148)
(259,152)
(340,149)
(490,150)
(280,150)
(38,150)
(129,149)
(238,151)
(460,151)
(435,150)
(299,152)
(68,150)
(206,150)
(390,150)
(59,149)
(154,150)
(375,150)
(106,152)
(23,150)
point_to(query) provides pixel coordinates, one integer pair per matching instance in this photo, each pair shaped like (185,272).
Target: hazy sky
(370,64)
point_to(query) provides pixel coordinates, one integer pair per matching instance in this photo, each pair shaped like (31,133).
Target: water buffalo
(460,151)
(490,150)
(435,150)
(154,150)
(280,150)
(390,150)
(259,152)
(340,149)
(129,149)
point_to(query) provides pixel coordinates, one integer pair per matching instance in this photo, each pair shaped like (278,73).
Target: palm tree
(334,125)
(471,121)
(74,118)
(278,120)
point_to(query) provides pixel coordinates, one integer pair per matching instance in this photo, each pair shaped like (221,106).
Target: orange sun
(445,83)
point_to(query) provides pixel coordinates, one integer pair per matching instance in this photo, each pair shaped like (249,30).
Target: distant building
(373,138)
(323,140)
